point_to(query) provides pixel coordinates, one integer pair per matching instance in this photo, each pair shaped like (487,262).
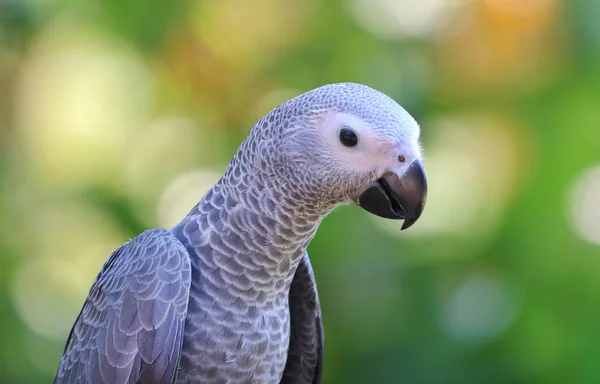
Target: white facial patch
(372,153)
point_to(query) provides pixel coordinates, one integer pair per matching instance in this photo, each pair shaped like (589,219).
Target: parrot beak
(398,198)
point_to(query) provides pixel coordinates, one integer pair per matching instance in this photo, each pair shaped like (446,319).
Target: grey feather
(305,354)
(125,326)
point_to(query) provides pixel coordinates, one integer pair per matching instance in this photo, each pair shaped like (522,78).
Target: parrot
(228,295)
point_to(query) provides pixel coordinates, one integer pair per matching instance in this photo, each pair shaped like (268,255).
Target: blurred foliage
(115,116)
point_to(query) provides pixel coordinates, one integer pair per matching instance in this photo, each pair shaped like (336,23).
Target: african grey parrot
(228,295)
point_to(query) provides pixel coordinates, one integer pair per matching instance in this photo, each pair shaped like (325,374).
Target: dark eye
(348,137)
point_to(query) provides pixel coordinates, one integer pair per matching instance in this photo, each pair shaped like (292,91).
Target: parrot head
(347,142)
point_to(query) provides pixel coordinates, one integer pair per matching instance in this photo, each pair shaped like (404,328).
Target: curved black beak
(399,198)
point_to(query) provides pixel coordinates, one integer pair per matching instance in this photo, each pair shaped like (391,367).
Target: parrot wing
(305,352)
(130,329)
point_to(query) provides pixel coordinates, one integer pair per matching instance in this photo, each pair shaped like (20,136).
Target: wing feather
(305,352)
(130,329)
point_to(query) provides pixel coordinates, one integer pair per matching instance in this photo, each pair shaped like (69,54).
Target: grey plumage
(131,325)
(305,352)
(228,295)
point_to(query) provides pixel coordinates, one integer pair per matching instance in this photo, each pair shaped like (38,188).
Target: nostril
(401,158)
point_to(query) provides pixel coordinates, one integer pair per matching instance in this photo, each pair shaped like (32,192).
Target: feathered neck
(247,236)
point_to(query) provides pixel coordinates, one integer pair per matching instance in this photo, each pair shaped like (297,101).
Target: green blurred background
(116,115)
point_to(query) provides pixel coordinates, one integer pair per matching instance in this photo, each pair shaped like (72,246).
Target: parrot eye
(348,137)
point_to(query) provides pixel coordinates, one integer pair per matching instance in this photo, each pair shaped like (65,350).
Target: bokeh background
(117,115)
